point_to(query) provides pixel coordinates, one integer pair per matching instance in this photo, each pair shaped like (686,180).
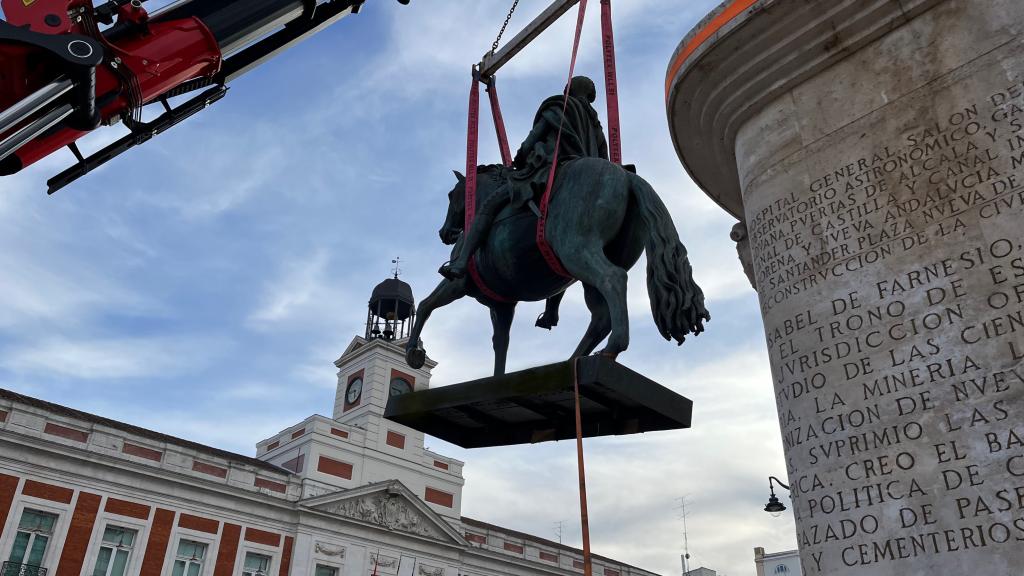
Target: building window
(32,538)
(189,559)
(782,569)
(256,564)
(115,551)
(322,570)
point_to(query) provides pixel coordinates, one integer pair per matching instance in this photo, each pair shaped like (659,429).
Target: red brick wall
(228,549)
(3,416)
(79,532)
(65,432)
(286,556)
(334,468)
(395,439)
(198,523)
(156,549)
(270,485)
(476,538)
(125,508)
(47,492)
(513,548)
(548,556)
(142,452)
(83,520)
(438,497)
(210,469)
(262,537)
(8,488)
(340,433)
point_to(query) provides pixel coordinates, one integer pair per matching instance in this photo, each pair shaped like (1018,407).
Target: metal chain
(494,47)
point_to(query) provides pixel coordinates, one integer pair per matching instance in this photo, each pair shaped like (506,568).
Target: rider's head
(583,87)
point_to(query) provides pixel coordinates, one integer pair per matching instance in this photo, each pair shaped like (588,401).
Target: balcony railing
(15,569)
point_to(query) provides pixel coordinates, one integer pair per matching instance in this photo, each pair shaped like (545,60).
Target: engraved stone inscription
(890,269)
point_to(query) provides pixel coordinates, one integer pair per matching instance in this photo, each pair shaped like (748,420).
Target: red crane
(68,67)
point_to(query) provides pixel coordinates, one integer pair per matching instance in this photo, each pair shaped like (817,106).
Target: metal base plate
(536,405)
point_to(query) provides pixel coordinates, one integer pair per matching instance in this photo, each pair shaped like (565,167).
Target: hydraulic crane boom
(62,77)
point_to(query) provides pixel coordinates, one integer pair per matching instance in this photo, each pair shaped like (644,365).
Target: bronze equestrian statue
(601,217)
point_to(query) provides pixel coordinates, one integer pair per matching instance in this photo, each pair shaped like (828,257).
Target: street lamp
(774,507)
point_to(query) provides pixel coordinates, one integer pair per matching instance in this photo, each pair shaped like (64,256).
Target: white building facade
(350,495)
(777,563)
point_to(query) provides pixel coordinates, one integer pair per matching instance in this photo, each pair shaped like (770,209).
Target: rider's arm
(536,134)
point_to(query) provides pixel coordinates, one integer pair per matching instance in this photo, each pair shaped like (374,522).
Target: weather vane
(397,270)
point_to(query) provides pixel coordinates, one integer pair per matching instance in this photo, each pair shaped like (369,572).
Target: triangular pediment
(356,343)
(388,505)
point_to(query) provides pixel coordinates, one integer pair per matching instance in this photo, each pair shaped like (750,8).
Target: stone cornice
(746,54)
(360,347)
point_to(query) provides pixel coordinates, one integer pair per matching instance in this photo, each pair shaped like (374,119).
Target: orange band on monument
(716,24)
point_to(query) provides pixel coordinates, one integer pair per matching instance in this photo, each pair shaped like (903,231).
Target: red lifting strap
(542,242)
(499,123)
(472,142)
(611,83)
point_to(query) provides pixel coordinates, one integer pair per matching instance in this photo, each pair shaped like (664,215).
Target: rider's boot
(477,231)
(549,319)
(452,270)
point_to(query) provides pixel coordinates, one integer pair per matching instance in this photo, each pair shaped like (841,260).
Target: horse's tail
(676,301)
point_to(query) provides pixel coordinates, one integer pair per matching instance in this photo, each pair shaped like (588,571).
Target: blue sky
(202,285)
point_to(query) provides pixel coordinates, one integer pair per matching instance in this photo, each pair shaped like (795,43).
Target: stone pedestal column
(875,152)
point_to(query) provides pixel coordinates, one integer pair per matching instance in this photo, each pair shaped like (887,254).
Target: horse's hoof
(416,357)
(608,354)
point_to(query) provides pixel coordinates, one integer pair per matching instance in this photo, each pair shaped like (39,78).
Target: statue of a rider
(582,136)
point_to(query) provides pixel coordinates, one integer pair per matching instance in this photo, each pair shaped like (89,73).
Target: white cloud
(103,359)
(300,283)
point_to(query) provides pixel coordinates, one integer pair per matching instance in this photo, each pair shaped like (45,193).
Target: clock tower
(373,367)
(357,446)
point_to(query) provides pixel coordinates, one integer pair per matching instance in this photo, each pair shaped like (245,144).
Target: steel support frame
(493,61)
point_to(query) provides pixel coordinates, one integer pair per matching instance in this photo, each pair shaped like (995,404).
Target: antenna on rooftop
(685,556)
(558,529)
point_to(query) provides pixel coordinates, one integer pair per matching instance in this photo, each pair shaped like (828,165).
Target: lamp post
(774,506)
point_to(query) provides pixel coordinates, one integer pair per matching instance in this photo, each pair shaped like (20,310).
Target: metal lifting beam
(21,111)
(11,144)
(492,62)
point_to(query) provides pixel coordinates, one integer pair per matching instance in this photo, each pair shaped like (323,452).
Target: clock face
(400,386)
(355,389)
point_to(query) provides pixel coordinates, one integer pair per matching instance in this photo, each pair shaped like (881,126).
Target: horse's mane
(495,171)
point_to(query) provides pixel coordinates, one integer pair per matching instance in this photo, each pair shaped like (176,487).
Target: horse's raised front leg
(501,321)
(600,322)
(447,291)
(590,266)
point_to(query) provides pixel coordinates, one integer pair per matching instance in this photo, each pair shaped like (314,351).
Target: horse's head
(454,221)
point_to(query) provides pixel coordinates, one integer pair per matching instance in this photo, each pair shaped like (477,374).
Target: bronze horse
(601,218)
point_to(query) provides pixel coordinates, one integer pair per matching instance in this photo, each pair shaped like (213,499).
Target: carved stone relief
(391,512)
(331,550)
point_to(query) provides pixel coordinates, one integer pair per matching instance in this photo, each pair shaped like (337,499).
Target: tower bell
(392,310)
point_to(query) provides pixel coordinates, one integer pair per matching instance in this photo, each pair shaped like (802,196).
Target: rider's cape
(582,136)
